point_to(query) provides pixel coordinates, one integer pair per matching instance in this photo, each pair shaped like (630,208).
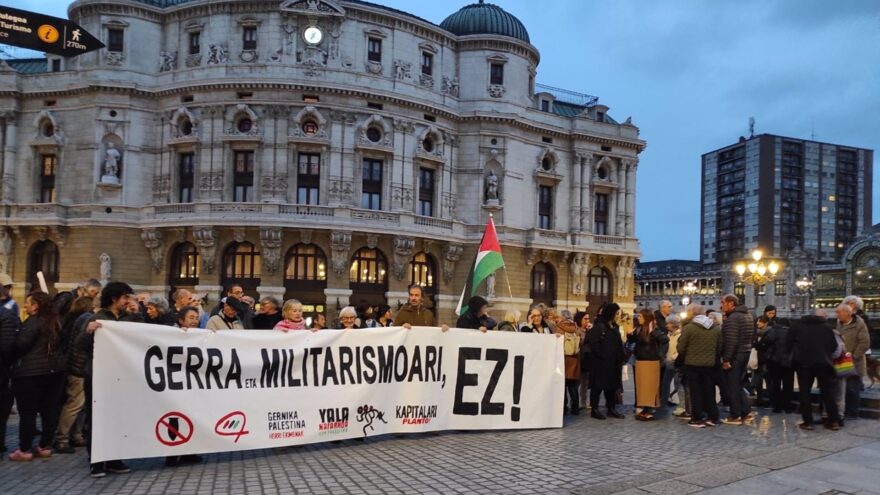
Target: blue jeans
(734,379)
(849,393)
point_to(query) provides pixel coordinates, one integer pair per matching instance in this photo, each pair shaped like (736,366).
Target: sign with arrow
(44,33)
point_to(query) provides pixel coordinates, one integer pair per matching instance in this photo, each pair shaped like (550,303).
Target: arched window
(598,289)
(421,270)
(305,276)
(368,277)
(43,258)
(543,285)
(184,268)
(241,265)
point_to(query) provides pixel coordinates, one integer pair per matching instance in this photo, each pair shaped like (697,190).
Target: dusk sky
(691,73)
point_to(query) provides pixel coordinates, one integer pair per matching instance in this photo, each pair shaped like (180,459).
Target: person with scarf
(292,311)
(477,315)
(606,361)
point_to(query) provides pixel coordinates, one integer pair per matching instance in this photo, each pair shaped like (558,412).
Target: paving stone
(671,487)
(723,475)
(784,458)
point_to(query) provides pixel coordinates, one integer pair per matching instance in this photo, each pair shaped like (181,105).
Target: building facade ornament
(403,250)
(106,268)
(270,248)
(154,242)
(340,245)
(167,61)
(206,240)
(451,255)
(6,247)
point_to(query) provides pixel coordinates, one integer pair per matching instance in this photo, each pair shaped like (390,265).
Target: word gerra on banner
(44,33)
(159,391)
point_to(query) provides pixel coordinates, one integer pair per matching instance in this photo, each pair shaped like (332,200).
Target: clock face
(313,35)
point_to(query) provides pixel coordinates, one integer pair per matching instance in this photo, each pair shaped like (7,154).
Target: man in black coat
(738,333)
(606,361)
(9,326)
(813,343)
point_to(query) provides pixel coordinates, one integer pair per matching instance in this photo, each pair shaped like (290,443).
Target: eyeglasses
(347,318)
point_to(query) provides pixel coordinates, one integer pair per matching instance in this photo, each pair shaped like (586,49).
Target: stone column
(575,199)
(630,198)
(620,218)
(9,165)
(586,197)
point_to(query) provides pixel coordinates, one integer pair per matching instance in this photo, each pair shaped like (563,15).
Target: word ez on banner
(159,391)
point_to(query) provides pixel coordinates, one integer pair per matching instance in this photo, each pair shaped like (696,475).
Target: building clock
(313,35)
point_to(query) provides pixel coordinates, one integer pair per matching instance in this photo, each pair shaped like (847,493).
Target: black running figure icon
(369,414)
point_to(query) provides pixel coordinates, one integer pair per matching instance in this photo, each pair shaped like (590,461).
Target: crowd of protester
(680,365)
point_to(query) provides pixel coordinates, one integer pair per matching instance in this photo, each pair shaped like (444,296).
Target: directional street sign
(44,33)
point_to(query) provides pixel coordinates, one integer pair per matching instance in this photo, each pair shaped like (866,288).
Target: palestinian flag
(488,260)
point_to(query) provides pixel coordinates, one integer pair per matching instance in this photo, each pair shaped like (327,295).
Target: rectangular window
(56,65)
(739,289)
(427,64)
(374,49)
(308,178)
(545,207)
(186,177)
(496,74)
(195,43)
(426,192)
(601,215)
(249,38)
(243,177)
(115,39)
(780,288)
(545,105)
(47,178)
(371,197)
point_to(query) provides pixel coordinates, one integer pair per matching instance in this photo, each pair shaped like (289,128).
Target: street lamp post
(805,289)
(756,272)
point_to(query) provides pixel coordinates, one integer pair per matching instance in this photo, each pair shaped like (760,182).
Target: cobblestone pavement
(586,457)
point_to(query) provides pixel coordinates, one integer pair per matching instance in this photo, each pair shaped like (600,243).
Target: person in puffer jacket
(700,344)
(738,332)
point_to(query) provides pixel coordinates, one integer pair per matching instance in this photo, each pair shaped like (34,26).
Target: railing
(437,223)
(608,240)
(375,216)
(306,210)
(177,208)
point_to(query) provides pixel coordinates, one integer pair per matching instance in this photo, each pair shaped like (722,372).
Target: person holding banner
(477,316)
(38,377)
(293,317)
(114,300)
(606,361)
(348,318)
(383,318)
(227,318)
(188,317)
(414,313)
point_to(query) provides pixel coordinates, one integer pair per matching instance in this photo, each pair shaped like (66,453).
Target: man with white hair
(856,342)
(858,305)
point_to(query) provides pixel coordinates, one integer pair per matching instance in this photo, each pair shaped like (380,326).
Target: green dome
(485,18)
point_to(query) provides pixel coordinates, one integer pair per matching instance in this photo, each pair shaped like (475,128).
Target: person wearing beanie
(227,318)
(606,361)
(476,317)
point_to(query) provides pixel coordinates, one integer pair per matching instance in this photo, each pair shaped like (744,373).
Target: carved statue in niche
(111,165)
(5,249)
(106,267)
(167,61)
(492,188)
(217,54)
(490,286)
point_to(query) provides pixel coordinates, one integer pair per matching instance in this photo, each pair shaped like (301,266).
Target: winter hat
(475,303)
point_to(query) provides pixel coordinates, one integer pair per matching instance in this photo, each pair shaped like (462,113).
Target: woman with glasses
(535,322)
(348,318)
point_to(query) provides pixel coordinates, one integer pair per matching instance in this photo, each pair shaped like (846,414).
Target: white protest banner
(159,391)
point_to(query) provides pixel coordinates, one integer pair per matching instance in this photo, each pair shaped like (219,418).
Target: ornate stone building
(332,151)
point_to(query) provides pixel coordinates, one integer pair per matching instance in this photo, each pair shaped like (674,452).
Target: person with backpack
(776,348)
(38,377)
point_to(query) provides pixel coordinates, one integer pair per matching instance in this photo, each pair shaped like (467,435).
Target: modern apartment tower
(778,193)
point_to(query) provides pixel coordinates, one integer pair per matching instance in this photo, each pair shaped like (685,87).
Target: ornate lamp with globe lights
(757,271)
